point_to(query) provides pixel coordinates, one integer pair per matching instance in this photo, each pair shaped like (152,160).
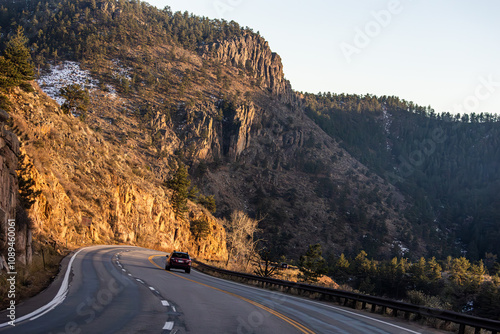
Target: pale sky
(443,53)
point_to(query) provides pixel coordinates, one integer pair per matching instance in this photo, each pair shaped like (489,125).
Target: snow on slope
(66,73)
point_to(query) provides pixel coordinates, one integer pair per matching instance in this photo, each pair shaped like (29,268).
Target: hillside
(81,176)
(446,165)
(171,88)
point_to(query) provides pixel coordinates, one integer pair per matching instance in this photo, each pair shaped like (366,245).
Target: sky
(442,53)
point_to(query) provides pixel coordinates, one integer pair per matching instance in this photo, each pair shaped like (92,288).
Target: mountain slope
(168,88)
(81,176)
(447,166)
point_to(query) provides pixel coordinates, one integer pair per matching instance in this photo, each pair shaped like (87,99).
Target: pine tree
(433,270)
(180,184)
(77,99)
(459,270)
(27,192)
(341,269)
(9,76)
(208,202)
(200,228)
(16,65)
(312,264)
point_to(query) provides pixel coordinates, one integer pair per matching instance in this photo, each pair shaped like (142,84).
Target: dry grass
(290,274)
(33,279)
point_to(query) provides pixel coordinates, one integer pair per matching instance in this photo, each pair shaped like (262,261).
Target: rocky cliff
(9,203)
(95,192)
(252,53)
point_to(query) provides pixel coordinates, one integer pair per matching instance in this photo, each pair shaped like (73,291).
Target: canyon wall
(94,192)
(9,202)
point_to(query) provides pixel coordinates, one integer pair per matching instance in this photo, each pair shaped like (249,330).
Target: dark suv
(178,260)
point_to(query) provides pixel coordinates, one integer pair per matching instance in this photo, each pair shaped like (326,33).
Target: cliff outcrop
(252,53)
(9,202)
(96,192)
(9,151)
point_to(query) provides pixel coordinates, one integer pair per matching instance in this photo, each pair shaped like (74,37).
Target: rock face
(96,192)
(266,157)
(253,54)
(9,152)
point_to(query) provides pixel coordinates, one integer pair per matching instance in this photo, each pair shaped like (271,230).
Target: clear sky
(443,53)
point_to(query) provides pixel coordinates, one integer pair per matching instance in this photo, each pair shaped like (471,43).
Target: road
(119,289)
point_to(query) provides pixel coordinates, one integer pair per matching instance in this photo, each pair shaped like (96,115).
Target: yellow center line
(292,322)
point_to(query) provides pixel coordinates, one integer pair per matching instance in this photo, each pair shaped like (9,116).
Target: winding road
(120,289)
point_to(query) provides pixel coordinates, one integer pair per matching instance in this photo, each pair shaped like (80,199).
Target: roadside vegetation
(33,278)
(453,284)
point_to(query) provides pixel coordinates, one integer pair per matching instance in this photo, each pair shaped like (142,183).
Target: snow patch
(387,124)
(403,250)
(120,72)
(111,91)
(62,75)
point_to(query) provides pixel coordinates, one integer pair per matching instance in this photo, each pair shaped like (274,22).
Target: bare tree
(266,265)
(240,230)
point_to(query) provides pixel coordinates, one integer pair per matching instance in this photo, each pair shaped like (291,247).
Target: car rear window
(181,255)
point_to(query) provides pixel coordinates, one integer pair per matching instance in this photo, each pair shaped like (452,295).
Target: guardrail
(352,299)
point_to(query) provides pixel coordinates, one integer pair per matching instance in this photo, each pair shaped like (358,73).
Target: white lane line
(173,308)
(130,274)
(123,270)
(314,302)
(138,280)
(165,303)
(169,325)
(151,288)
(58,299)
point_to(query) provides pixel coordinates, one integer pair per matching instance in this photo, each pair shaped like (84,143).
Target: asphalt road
(118,289)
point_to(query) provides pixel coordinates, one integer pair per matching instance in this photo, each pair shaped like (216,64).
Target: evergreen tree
(208,202)
(15,64)
(17,52)
(77,99)
(9,77)
(180,184)
(16,68)
(264,261)
(27,191)
(362,266)
(200,228)
(433,270)
(478,272)
(459,270)
(312,264)
(340,269)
